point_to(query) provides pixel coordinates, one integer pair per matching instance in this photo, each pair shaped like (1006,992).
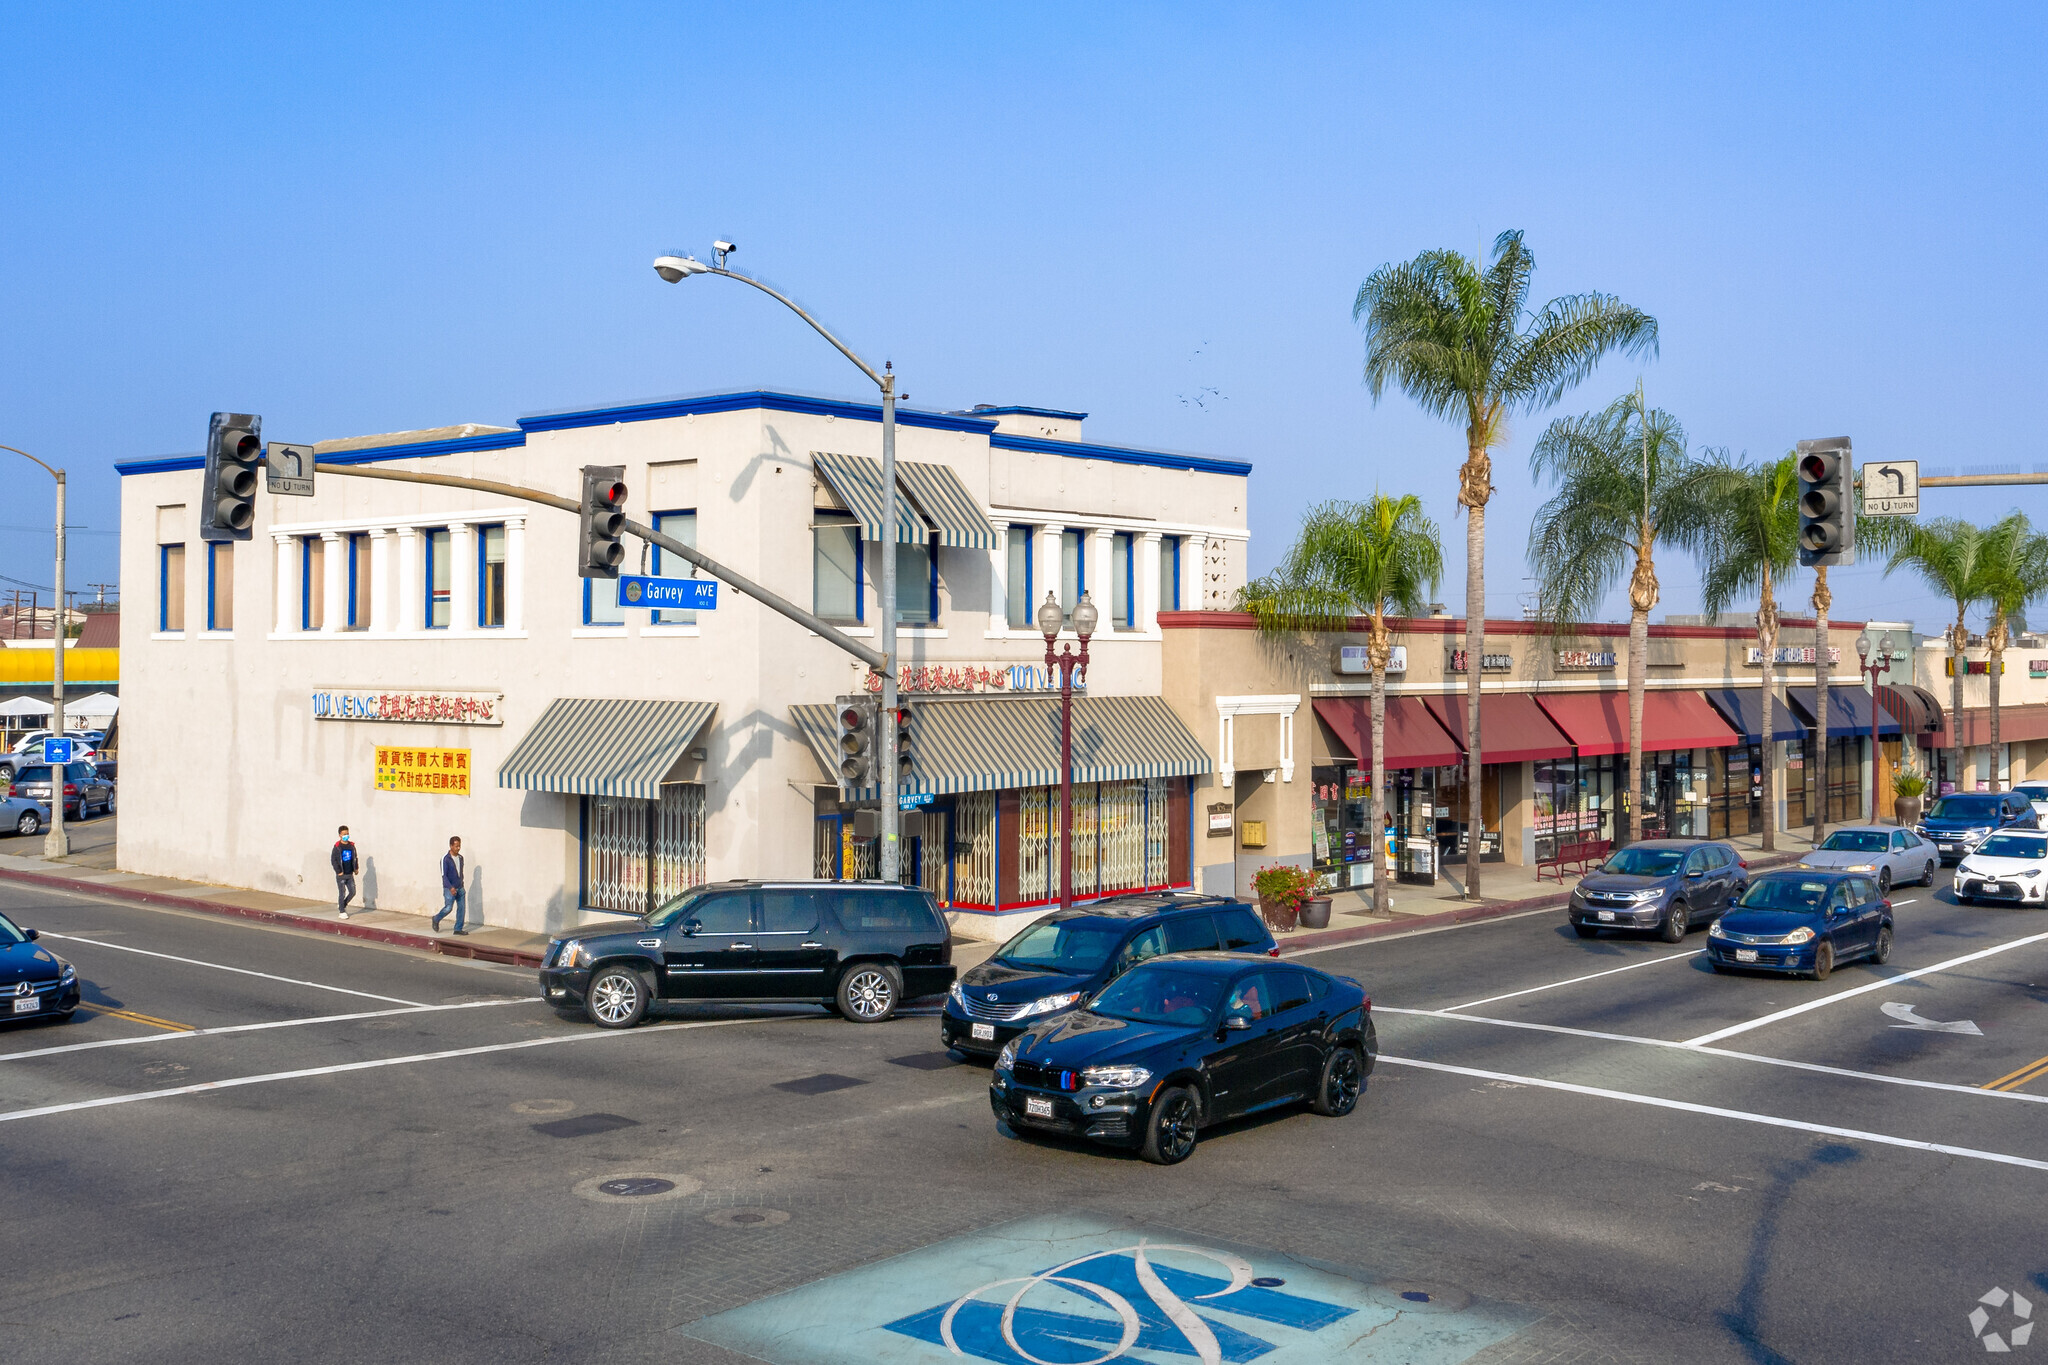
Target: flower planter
(1315,913)
(1907,809)
(1279,915)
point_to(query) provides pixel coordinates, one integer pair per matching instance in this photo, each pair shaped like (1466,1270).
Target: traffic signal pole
(885,755)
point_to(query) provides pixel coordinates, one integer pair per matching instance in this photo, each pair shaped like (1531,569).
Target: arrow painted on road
(1905,1012)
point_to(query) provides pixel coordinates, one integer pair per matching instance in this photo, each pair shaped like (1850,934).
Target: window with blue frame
(917,584)
(1169,573)
(601,603)
(1073,571)
(1021,608)
(358,581)
(681,524)
(220,586)
(1123,612)
(170,588)
(837,555)
(490,576)
(439,565)
(312,582)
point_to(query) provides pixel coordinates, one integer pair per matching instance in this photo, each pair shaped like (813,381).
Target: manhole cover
(818,1085)
(1412,1295)
(747,1218)
(618,1188)
(583,1125)
(634,1186)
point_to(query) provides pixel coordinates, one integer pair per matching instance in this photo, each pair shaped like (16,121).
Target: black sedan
(1186,1041)
(34,982)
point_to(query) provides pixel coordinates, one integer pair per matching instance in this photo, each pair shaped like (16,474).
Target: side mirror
(691,927)
(1695,874)
(1235,1023)
(31,934)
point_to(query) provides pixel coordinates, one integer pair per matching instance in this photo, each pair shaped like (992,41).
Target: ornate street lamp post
(1873,669)
(1050,619)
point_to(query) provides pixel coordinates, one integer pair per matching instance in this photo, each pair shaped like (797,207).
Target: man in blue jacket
(345,863)
(451,885)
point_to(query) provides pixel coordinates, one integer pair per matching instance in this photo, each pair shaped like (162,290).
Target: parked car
(1896,857)
(28,750)
(1058,961)
(84,789)
(1666,885)
(2010,866)
(1183,1042)
(19,815)
(859,948)
(34,981)
(2036,794)
(1803,923)
(1960,822)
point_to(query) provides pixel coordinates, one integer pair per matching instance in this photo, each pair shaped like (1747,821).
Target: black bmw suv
(858,948)
(1060,960)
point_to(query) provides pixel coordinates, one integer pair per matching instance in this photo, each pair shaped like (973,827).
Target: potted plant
(1909,793)
(1281,890)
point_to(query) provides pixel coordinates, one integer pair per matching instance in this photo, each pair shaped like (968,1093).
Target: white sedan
(2036,792)
(2011,866)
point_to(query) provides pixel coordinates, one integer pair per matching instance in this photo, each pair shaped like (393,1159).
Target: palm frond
(1565,342)
(1383,555)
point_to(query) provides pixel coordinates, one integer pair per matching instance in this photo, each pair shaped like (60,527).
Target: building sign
(434,708)
(992,677)
(1354,659)
(1585,658)
(1792,654)
(2037,668)
(1981,668)
(1488,663)
(442,771)
(1220,819)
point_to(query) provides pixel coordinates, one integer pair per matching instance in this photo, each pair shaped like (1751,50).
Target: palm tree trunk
(1767,641)
(1958,637)
(1378,654)
(1995,638)
(1642,595)
(1817,762)
(1475,659)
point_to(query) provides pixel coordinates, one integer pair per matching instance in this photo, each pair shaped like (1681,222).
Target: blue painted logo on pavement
(1080,1291)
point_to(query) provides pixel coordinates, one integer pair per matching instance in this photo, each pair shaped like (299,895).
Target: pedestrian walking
(451,886)
(346,863)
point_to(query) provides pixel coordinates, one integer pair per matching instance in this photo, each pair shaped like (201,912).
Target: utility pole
(55,844)
(892,819)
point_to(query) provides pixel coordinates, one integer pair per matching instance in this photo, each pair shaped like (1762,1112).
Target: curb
(396,938)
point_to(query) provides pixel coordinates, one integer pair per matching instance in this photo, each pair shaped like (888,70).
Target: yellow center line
(2032,1071)
(132,1017)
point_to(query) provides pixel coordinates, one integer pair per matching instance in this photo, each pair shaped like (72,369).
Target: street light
(1872,671)
(55,844)
(1050,619)
(675,268)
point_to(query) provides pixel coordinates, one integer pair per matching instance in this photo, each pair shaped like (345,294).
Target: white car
(2036,792)
(2010,866)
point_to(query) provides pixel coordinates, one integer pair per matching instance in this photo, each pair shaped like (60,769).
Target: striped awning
(935,500)
(599,746)
(985,743)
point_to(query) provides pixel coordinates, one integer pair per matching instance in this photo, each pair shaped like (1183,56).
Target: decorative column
(1148,572)
(462,599)
(515,573)
(380,583)
(1096,545)
(409,605)
(333,582)
(287,584)
(1194,573)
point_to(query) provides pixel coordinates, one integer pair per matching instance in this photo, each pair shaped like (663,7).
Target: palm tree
(1949,555)
(1753,544)
(2015,573)
(1371,557)
(1460,340)
(1624,480)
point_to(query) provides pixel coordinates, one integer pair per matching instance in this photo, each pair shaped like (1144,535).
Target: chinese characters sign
(1585,658)
(401,769)
(1491,663)
(1792,654)
(978,678)
(434,708)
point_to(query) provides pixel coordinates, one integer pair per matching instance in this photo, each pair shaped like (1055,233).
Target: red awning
(2015,723)
(1598,721)
(1512,727)
(1414,739)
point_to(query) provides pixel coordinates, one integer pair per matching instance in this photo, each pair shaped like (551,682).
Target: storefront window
(1340,835)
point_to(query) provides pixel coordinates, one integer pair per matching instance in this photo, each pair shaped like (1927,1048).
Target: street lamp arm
(53,473)
(791,304)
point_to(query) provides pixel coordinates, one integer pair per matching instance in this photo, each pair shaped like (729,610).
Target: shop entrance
(1415,815)
(637,854)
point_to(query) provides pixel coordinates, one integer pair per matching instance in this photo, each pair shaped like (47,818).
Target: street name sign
(913,800)
(673,594)
(288,469)
(56,752)
(1891,488)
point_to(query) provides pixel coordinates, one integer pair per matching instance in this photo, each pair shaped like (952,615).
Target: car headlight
(1862,867)
(1046,1004)
(1649,895)
(1980,833)
(570,951)
(957,996)
(1715,930)
(1116,1077)
(70,973)
(1809,867)
(1008,1056)
(1798,936)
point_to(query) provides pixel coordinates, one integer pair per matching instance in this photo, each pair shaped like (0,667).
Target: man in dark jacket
(345,864)
(451,885)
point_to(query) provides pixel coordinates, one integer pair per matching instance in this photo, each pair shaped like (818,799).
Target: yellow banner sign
(402,769)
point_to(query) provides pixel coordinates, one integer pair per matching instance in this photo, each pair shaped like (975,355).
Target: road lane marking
(239,971)
(1815,1067)
(1914,901)
(1713,1111)
(132,1017)
(2013,1080)
(1573,981)
(305,1073)
(251,1028)
(1883,983)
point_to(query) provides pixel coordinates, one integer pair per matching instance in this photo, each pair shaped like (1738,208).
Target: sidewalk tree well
(1948,555)
(1460,340)
(1356,558)
(1624,480)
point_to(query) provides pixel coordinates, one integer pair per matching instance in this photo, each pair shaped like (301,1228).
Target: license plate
(1745,954)
(1037,1108)
(26,1004)
(985,1032)
(1607,915)
(1992,888)
(1946,848)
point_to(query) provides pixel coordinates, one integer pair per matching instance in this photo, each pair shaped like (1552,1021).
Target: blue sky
(372,217)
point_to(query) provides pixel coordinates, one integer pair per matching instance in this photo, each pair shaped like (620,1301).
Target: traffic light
(1827,503)
(857,717)
(227,504)
(603,520)
(903,718)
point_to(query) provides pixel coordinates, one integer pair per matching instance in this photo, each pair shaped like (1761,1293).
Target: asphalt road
(265,1145)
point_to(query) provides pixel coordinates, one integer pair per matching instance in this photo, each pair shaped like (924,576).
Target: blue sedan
(19,815)
(1802,923)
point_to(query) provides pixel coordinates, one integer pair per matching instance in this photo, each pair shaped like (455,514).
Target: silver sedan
(19,815)
(1896,857)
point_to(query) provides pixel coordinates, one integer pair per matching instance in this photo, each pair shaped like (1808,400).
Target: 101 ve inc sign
(411,705)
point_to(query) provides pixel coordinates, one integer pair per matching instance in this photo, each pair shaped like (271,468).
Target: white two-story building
(419,662)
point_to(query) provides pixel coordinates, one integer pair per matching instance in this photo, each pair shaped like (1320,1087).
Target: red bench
(1580,858)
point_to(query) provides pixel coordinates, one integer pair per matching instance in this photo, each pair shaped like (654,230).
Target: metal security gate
(637,854)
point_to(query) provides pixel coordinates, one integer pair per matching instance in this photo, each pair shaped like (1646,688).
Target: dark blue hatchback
(1803,924)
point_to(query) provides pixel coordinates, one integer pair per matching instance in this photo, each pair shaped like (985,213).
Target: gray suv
(1666,885)
(84,789)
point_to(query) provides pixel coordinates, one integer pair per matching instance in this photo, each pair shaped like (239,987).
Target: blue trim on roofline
(1077,450)
(985,410)
(417,450)
(743,401)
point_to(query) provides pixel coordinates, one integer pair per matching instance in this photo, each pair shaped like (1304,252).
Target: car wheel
(1585,930)
(1928,880)
(869,991)
(29,823)
(1676,923)
(107,807)
(1882,953)
(1343,1078)
(1823,961)
(1170,1132)
(617,998)
(1884,881)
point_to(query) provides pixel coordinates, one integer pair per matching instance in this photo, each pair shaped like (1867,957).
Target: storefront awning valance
(595,746)
(1512,727)
(2015,723)
(1414,739)
(986,743)
(936,502)
(1849,711)
(1743,708)
(1915,708)
(1598,721)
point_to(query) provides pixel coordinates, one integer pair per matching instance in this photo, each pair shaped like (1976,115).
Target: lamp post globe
(1085,617)
(1863,646)
(1884,646)
(1050,617)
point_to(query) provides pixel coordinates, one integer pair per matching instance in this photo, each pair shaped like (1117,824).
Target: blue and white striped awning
(935,501)
(994,743)
(604,747)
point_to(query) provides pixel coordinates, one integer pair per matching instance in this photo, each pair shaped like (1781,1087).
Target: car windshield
(1161,995)
(1784,893)
(1645,862)
(9,934)
(1063,946)
(1857,841)
(1965,808)
(2014,846)
(670,911)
